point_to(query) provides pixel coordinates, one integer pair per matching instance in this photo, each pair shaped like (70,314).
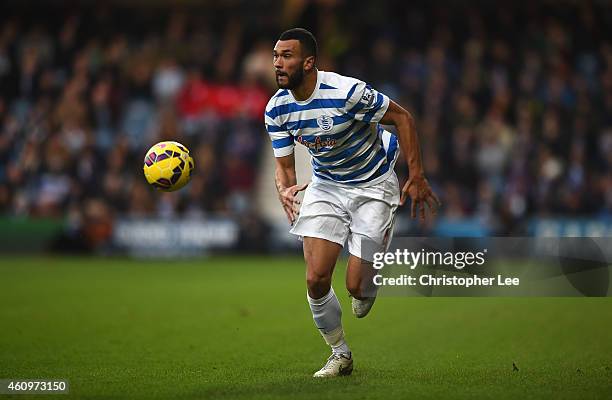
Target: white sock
(327,316)
(341,348)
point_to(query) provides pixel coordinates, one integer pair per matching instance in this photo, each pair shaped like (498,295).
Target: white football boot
(336,365)
(361,308)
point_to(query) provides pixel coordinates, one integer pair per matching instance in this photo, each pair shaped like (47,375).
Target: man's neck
(308,86)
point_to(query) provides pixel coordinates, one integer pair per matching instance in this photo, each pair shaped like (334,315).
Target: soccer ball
(168,166)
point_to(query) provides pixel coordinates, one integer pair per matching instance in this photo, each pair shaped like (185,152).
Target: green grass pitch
(240,328)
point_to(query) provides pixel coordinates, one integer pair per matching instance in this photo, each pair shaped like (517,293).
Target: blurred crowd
(513,101)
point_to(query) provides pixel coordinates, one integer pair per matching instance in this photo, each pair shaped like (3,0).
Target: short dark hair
(308,43)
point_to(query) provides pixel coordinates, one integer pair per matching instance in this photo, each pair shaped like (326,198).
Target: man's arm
(287,187)
(417,186)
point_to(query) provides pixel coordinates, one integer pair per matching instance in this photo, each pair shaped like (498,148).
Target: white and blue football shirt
(338,124)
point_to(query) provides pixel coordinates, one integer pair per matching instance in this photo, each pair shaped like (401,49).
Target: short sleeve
(365,103)
(282,140)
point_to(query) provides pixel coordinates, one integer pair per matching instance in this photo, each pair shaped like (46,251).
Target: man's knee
(359,278)
(320,256)
(354,287)
(318,283)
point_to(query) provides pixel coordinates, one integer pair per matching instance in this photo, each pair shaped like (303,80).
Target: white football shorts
(362,215)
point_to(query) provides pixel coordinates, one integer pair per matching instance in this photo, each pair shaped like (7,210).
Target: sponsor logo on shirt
(318,143)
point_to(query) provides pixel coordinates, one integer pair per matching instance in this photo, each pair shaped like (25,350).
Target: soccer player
(354,191)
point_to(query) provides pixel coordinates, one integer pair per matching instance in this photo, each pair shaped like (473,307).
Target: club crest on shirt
(326,123)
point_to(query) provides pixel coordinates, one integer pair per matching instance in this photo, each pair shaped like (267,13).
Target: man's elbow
(404,118)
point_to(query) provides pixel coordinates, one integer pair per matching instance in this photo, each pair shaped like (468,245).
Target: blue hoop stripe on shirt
(350,162)
(305,123)
(284,142)
(380,155)
(313,105)
(393,146)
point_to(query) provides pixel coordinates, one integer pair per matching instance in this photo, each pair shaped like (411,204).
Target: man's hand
(289,201)
(420,193)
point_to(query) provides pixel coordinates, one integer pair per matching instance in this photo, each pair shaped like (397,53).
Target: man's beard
(293,81)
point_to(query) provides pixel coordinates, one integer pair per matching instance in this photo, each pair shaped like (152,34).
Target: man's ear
(309,63)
